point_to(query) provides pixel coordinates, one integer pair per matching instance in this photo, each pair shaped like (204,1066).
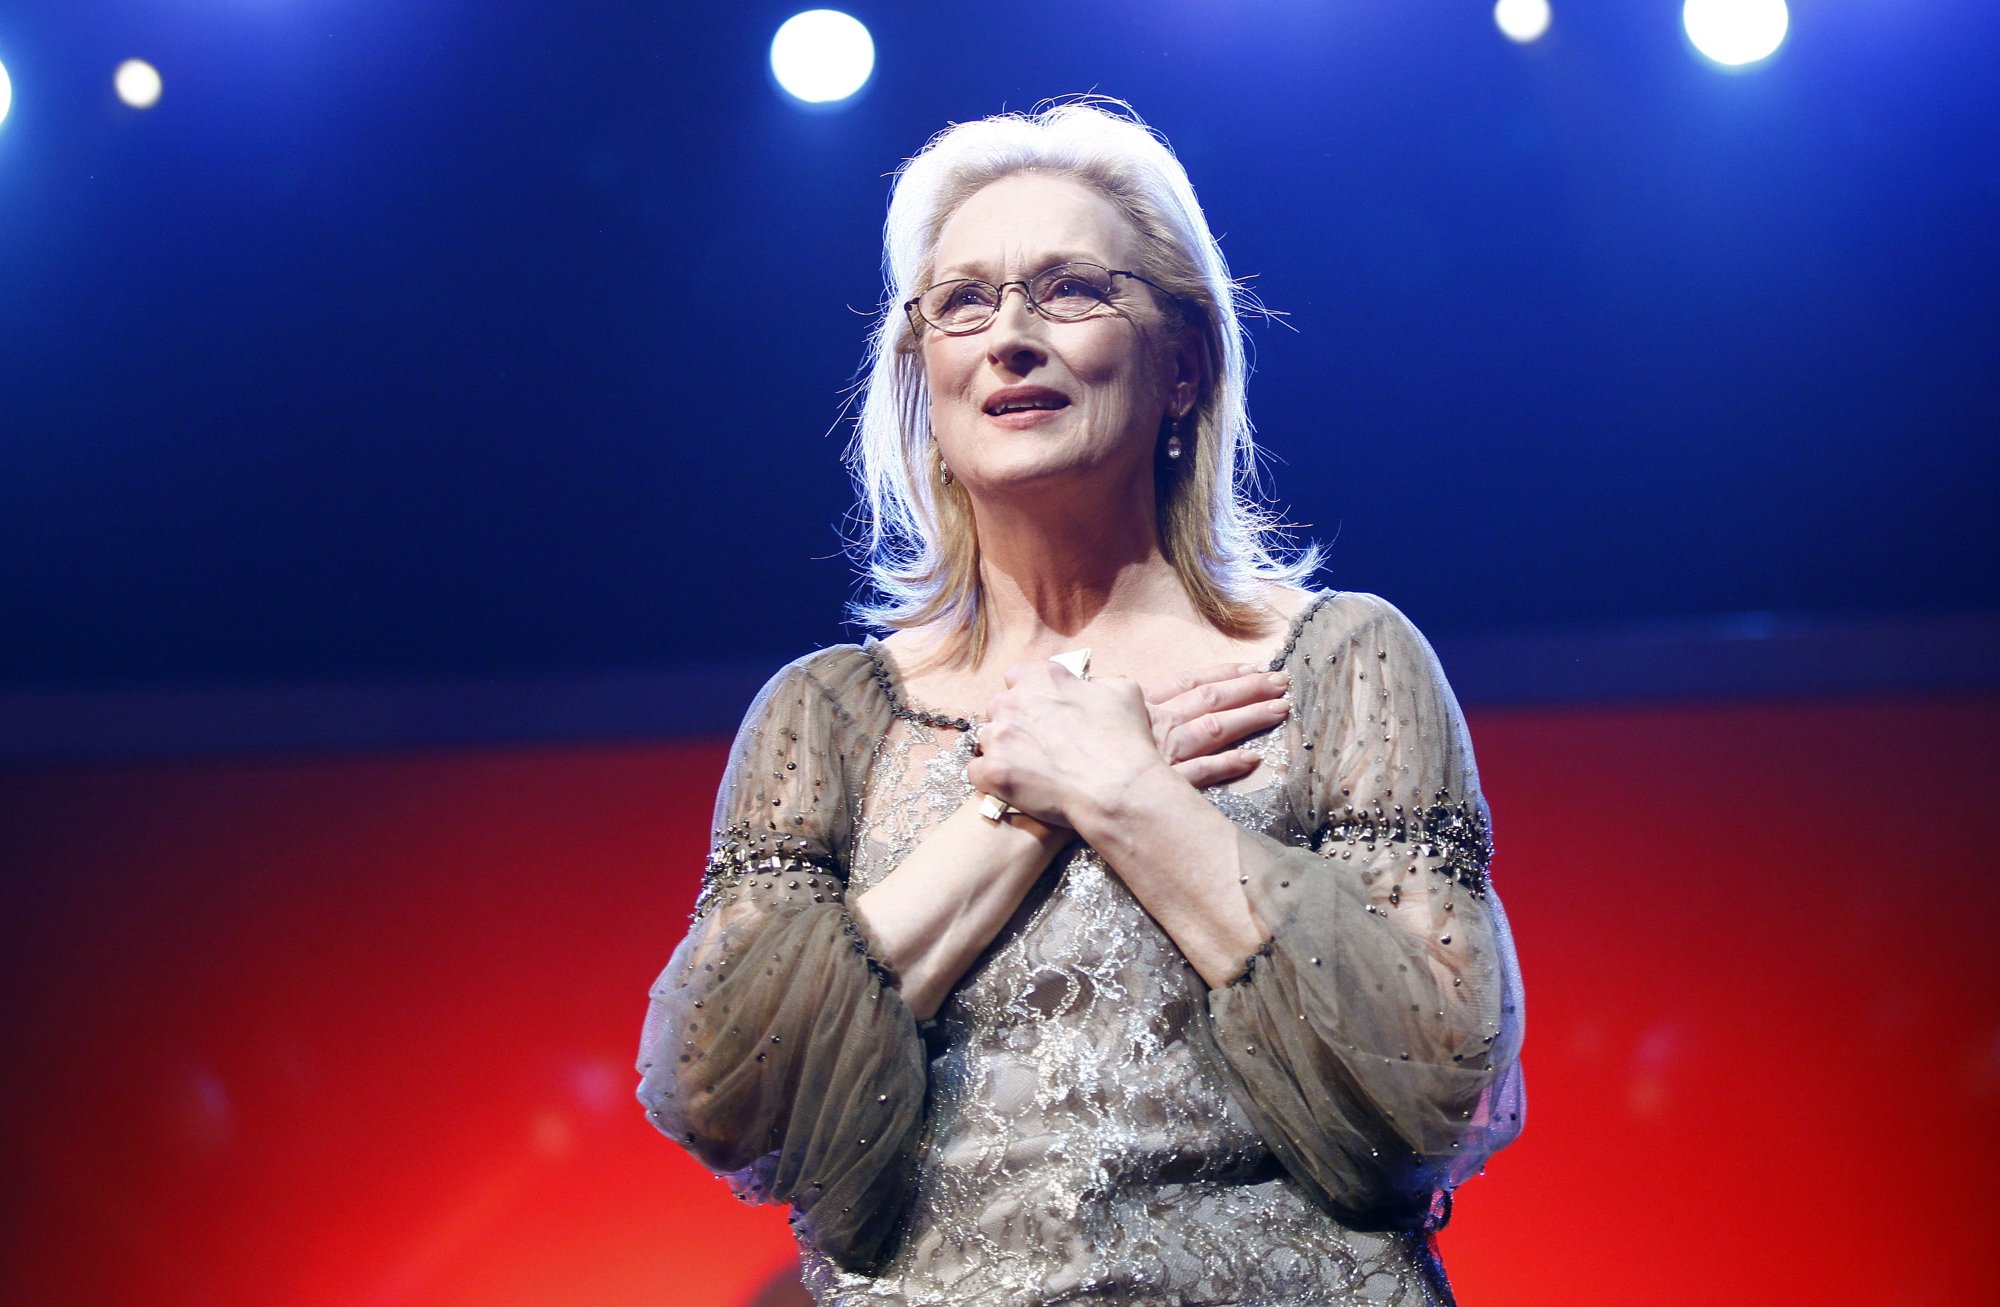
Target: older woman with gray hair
(1117,929)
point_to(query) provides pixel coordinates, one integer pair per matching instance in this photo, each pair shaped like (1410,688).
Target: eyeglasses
(1068,292)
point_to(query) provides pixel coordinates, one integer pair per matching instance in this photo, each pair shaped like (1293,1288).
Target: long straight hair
(918,547)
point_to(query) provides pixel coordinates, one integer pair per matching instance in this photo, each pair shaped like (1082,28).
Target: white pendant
(1076,662)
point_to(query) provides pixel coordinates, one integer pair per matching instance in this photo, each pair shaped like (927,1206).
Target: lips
(1024,399)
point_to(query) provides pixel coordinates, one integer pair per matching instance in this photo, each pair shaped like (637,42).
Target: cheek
(948,368)
(948,377)
(1116,357)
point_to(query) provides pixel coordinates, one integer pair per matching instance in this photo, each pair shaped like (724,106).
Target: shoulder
(828,666)
(1334,615)
(1340,625)
(1360,660)
(818,684)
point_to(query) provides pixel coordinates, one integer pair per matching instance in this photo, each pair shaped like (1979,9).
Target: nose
(1015,341)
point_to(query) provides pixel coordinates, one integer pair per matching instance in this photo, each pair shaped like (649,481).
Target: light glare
(822,55)
(138,83)
(1521,21)
(1736,32)
(6,94)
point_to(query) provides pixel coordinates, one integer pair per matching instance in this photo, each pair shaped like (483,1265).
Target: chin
(1018,475)
(1038,469)
(1021,458)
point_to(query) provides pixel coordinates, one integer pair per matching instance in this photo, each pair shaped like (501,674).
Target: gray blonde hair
(918,546)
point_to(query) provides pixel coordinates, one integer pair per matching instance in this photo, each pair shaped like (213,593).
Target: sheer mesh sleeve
(774,1051)
(1375,1041)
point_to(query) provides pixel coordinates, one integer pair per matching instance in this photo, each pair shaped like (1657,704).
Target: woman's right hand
(1200,717)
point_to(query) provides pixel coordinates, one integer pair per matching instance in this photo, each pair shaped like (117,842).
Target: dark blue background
(412,336)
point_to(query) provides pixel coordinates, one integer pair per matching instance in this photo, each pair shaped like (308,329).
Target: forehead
(1022,223)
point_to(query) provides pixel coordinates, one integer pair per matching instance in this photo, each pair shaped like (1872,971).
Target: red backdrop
(360,1030)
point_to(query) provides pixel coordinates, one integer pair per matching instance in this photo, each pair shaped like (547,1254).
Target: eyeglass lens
(1066,292)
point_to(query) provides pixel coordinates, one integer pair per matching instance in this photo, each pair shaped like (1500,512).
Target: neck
(1058,571)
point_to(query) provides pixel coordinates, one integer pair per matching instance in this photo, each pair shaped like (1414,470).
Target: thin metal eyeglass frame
(919,321)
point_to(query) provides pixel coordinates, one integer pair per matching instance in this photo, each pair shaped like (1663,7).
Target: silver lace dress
(1086,1121)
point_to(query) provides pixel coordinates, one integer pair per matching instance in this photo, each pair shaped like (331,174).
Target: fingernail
(1279,680)
(1248,669)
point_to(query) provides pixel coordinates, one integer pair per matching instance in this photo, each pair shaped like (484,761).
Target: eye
(1072,290)
(967,295)
(964,303)
(1074,286)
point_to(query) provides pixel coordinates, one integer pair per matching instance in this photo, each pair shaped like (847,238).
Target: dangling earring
(944,470)
(1174,442)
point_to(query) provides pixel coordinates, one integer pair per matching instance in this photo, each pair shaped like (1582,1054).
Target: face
(1027,400)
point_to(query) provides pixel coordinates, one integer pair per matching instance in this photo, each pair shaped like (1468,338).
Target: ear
(1190,372)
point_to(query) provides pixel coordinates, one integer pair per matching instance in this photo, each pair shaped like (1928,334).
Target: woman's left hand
(1058,747)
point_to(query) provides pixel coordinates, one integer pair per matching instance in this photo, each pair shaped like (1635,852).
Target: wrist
(1110,810)
(1049,837)
(1018,827)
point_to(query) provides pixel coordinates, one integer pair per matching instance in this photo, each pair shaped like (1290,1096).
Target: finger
(1242,692)
(1181,682)
(996,730)
(1215,696)
(1021,672)
(1214,732)
(1219,768)
(990,777)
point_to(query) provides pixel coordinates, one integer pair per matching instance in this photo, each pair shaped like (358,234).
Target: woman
(1178,981)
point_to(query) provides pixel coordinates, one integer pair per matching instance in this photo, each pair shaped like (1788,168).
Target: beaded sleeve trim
(740,854)
(1454,833)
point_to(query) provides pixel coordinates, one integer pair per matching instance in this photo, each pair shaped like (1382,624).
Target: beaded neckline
(885,678)
(889,682)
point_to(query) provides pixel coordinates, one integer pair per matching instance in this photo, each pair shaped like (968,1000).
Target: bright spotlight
(138,83)
(822,55)
(6,94)
(1736,32)
(1521,21)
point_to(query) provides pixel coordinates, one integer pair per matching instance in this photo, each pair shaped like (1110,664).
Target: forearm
(943,904)
(1179,856)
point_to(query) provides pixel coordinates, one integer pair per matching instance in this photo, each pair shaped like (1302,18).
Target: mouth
(1024,399)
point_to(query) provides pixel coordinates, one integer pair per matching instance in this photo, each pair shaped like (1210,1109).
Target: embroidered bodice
(1085,1120)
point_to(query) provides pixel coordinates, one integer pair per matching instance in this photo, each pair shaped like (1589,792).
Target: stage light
(1521,20)
(6,94)
(822,56)
(1735,32)
(138,83)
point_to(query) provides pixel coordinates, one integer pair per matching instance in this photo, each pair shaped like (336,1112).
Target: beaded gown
(1086,1121)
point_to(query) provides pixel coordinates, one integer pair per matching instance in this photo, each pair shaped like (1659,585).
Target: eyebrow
(983,270)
